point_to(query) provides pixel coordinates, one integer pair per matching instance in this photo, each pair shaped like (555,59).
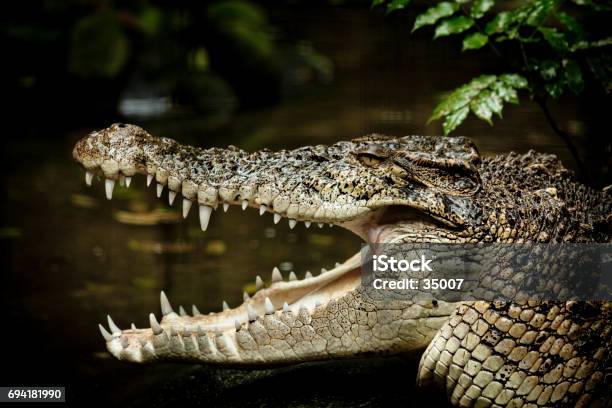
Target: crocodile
(421,189)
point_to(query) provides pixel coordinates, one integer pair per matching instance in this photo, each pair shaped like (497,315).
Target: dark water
(70,257)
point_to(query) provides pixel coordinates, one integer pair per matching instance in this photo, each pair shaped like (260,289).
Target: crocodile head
(383,189)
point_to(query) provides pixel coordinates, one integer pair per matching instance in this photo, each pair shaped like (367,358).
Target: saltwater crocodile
(384,189)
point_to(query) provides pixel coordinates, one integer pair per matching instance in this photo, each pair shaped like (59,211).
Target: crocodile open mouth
(214,331)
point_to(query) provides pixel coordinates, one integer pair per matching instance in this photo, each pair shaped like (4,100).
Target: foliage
(546,44)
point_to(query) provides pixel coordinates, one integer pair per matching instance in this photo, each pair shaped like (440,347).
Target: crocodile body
(413,189)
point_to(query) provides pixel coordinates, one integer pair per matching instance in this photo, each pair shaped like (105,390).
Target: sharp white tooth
(292,276)
(245,296)
(88,179)
(205,212)
(330,225)
(171,197)
(128,181)
(154,324)
(109,185)
(195,311)
(186,207)
(292,224)
(258,283)
(251,313)
(307,224)
(285,307)
(277,218)
(276,275)
(160,188)
(338,264)
(225,306)
(245,204)
(269,306)
(121,180)
(237,325)
(149,179)
(107,336)
(225,207)
(133,326)
(323,270)
(308,275)
(320,225)
(182,311)
(166,308)
(262,209)
(112,325)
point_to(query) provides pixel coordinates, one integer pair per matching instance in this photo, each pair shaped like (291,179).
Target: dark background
(254,74)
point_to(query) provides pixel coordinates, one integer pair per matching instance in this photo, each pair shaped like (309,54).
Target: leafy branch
(545,44)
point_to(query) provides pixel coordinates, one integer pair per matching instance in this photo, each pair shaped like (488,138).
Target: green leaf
(505,92)
(481,108)
(455,119)
(397,5)
(572,24)
(555,89)
(548,69)
(433,14)
(480,7)
(573,76)
(453,25)
(514,80)
(500,23)
(484,96)
(554,38)
(376,3)
(474,41)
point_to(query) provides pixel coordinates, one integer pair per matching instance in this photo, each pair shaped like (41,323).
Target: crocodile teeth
(251,313)
(122,180)
(186,207)
(109,186)
(160,188)
(133,326)
(269,306)
(245,296)
(245,204)
(323,270)
(88,177)
(225,207)
(237,325)
(307,224)
(292,276)
(277,218)
(285,307)
(262,209)
(128,181)
(292,224)
(320,225)
(338,264)
(182,311)
(194,310)
(149,179)
(107,336)
(258,283)
(154,324)
(225,306)
(276,275)
(166,308)
(205,212)
(308,275)
(171,197)
(112,325)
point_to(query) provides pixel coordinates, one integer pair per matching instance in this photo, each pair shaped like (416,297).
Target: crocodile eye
(368,160)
